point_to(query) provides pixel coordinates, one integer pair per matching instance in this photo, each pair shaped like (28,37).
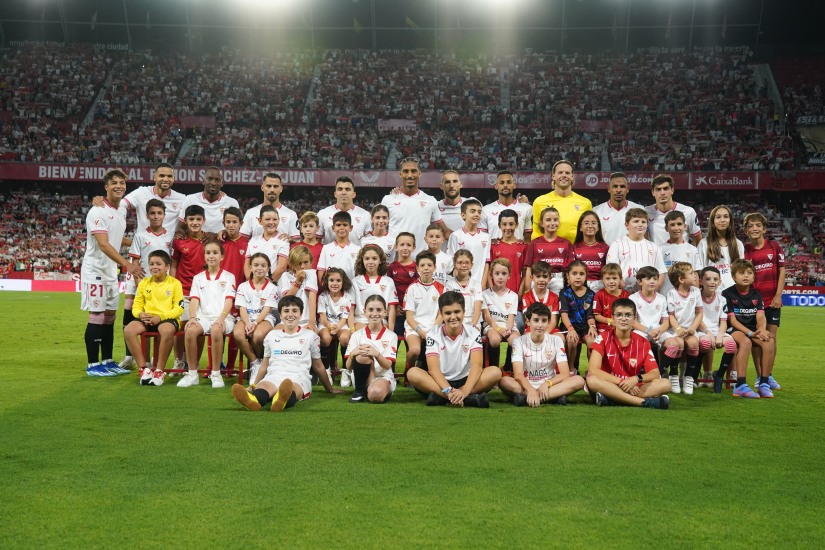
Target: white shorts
(305,382)
(408,329)
(537,383)
(392,382)
(206,324)
(485,328)
(131,285)
(671,332)
(185,316)
(595,286)
(100,297)
(556,282)
(271,320)
(662,337)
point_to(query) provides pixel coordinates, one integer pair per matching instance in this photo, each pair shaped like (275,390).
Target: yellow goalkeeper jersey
(570,210)
(163,299)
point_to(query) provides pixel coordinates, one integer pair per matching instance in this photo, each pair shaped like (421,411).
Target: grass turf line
(99,463)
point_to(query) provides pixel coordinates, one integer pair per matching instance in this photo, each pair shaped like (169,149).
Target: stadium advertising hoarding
(808,296)
(380,178)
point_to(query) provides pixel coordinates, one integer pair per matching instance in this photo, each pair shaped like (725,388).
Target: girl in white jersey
(289,354)
(270,243)
(371,355)
(721,247)
(335,308)
(379,234)
(300,280)
(715,326)
(540,370)
(255,301)
(461,282)
(502,307)
(371,278)
(210,302)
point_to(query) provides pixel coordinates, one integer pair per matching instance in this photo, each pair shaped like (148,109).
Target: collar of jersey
(252,285)
(218,276)
(374,282)
(211,202)
(444,330)
(155,234)
(666,211)
(369,334)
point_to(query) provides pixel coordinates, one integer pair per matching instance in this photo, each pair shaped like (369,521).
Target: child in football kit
(371,354)
(633,252)
(715,325)
(540,370)
(454,373)
(187,261)
(309,237)
(210,304)
(341,252)
(611,291)
(255,300)
(500,311)
(590,248)
(768,259)
(513,250)
(421,306)
(576,310)
(685,311)
(335,308)
(463,284)
(234,244)
(622,369)
(721,247)
(270,243)
(402,272)
(471,238)
(556,251)
(652,320)
(380,216)
(157,306)
(289,354)
(676,249)
(300,281)
(747,325)
(443,261)
(540,293)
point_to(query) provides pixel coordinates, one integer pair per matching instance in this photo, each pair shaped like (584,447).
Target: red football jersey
(403,276)
(189,254)
(602,305)
(234,258)
(635,358)
(314,249)
(767,261)
(558,253)
(514,253)
(594,257)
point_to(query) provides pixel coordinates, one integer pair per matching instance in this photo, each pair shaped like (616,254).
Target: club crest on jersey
(601,255)
(507,305)
(168,293)
(96,302)
(548,354)
(422,203)
(633,362)
(382,287)
(301,341)
(577,206)
(754,303)
(353,255)
(465,347)
(223,284)
(242,252)
(263,301)
(770,256)
(658,307)
(222,209)
(518,254)
(412,273)
(384,343)
(175,205)
(561,250)
(483,243)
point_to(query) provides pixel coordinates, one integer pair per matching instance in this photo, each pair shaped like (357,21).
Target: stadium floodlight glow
(267,4)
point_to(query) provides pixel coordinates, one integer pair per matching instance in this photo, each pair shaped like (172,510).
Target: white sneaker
(689,383)
(217,380)
(253,370)
(127,362)
(345,378)
(189,379)
(179,364)
(707,375)
(674,384)
(145,376)
(158,377)
(732,375)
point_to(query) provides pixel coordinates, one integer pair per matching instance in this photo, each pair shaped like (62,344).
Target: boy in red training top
(541,293)
(612,290)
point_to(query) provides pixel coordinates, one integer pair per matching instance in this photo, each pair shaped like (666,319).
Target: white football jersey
(145,242)
(422,300)
(453,354)
(336,310)
(472,295)
(138,198)
(310,283)
(443,267)
(214,210)
(501,307)
(451,214)
(539,361)
(632,256)
(478,244)
(274,248)
(723,264)
(684,307)
(489,218)
(97,267)
(656,222)
(682,252)
(714,312)
(291,355)
(254,300)
(613,221)
(652,313)
(333,255)
(386,342)
(211,292)
(288,224)
(361,223)
(387,244)
(363,288)
(412,214)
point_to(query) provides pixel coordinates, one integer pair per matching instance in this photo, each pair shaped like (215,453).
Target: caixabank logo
(724,180)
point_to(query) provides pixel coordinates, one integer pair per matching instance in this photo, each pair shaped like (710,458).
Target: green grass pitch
(105,463)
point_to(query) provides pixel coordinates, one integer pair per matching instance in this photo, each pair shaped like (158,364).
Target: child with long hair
(379,235)
(461,282)
(721,247)
(210,302)
(549,247)
(300,280)
(335,305)
(576,310)
(255,300)
(371,354)
(590,248)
